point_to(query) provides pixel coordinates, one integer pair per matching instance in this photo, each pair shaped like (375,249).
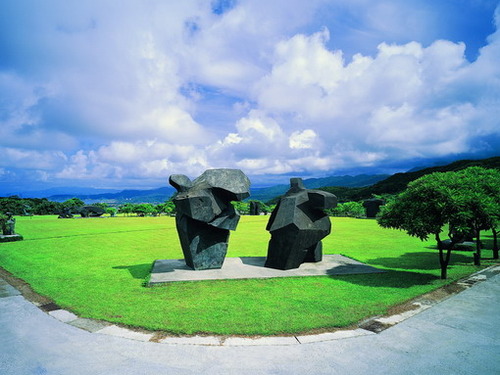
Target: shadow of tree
(419,260)
(487,242)
(390,279)
(352,269)
(137,271)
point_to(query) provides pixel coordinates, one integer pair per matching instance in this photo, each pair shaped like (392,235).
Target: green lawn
(97,267)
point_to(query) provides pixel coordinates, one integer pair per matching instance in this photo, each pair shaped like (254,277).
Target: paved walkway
(459,335)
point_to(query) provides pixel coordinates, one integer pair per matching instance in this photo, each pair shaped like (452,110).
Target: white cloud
(29,159)
(132,89)
(303,140)
(408,101)
(259,135)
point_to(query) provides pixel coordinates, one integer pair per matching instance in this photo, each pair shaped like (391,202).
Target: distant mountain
(266,194)
(65,190)
(159,195)
(399,181)
(349,181)
(346,188)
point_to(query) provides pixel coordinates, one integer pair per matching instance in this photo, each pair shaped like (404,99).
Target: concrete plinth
(171,270)
(10,237)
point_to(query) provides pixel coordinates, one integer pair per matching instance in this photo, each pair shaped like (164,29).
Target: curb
(370,326)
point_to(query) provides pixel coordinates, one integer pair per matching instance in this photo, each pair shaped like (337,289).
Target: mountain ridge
(397,182)
(346,187)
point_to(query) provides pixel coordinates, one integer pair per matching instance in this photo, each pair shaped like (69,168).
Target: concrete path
(459,335)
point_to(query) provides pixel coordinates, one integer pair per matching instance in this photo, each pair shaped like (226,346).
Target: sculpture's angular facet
(297,225)
(205,214)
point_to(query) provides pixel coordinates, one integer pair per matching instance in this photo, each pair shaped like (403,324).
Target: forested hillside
(399,181)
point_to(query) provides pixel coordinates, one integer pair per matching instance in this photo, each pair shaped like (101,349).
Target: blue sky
(114,94)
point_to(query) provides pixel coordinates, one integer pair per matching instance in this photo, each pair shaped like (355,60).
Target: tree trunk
(477,255)
(444,259)
(495,243)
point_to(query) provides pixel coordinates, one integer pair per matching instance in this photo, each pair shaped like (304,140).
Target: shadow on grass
(390,279)
(421,260)
(487,242)
(138,271)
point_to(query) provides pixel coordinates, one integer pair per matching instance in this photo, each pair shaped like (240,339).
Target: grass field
(97,267)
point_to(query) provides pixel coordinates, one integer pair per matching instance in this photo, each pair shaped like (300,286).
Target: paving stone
(89,325)
(7,290)
(328,336)
(63,315)
(126,333)
(193,340)
(244,341)
(394,319)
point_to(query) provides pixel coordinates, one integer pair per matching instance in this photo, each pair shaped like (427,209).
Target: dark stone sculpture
(297,226)
(91,211)
(66,213)
(255,208)
(7,226)
(205,214)
(372,206)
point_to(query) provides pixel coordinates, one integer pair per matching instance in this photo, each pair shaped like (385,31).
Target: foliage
(111,211)
(3,220)
(481,188)
(143,209)
(399,181)
(243,208)
(27,206)
(111,258)
(103,205)
(168,208)
(348,209)
(126,208)
(456,200)
(73,203)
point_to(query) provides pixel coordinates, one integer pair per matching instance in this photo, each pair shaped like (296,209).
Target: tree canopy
(465,201)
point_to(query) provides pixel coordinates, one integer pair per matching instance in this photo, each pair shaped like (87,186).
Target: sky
(122,94)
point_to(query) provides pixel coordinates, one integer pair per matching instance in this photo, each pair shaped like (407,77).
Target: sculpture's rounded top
(180,182)
(230,180)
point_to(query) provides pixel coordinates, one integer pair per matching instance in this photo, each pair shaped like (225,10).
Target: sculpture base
(10,237)
(171,270)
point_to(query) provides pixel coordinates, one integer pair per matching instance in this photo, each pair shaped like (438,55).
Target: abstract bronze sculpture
(205,214)
(297,225)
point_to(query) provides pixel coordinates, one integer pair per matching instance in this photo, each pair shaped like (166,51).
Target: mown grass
(96,268)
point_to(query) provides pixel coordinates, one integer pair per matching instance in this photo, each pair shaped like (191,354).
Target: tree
(12,204)
(45,207)
(143,209)
(73,203)
(349,209)
(168,208)
(481,188)
(126,209)
(241,207)
(428,205)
